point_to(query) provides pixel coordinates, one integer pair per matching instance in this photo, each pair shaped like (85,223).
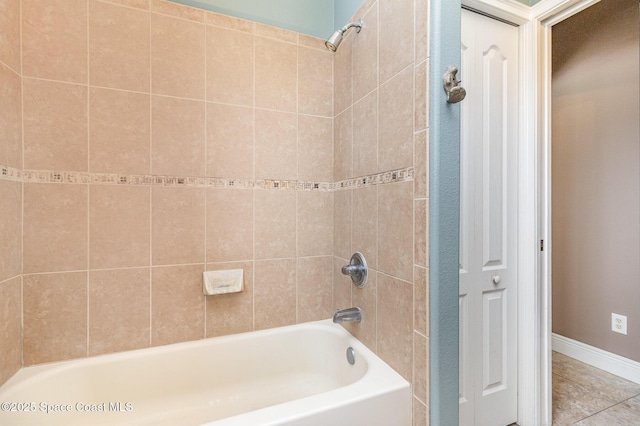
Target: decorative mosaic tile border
(9,173)
(392,176)
(46,176)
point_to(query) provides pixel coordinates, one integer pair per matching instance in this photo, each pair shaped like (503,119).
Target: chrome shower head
(334,41)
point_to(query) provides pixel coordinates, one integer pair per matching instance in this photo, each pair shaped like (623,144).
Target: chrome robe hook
(451,84)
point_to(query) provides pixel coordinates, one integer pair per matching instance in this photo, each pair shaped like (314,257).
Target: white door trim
(543,16)
(534,196)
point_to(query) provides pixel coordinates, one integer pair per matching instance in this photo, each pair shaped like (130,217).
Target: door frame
(544,16)
(534,197)
(534,203)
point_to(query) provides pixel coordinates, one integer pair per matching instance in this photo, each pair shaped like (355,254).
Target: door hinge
(541,245)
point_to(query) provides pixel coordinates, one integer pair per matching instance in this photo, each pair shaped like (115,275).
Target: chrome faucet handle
(357,270)
(352,269)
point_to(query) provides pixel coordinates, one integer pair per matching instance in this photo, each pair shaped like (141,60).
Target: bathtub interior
(193,382)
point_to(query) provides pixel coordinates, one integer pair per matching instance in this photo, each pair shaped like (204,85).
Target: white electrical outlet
(619,323)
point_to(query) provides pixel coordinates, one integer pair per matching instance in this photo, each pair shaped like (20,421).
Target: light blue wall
(444,216)
(344,10)
(317,18)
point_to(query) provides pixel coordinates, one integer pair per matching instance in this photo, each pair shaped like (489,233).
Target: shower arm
(357,25)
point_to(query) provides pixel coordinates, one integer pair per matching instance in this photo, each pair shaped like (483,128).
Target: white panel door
(488,275)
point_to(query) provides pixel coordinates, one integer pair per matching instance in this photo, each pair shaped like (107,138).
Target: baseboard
(607,361)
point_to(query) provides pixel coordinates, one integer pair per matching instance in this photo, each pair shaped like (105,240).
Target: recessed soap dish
(223,282)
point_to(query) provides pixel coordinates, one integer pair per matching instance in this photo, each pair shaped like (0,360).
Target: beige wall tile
(315,149)
(421,30)
(314,43)
(230,141)
(177,46)
(231,313)
(138,4)
(10,327)
(343,145)
(178,141)
(119,302)
(10,229)
(55,227)
(395,229)
(177,10)
(421,300)
(397,18)
(55,126)
(342,76)
(421,107)
(315,223)
(395,115)
(119,221)
(119,47)
(229,225)
(54,40)
(421,162)
(364,237)
(315,288)
(364,7)
(276,75)
(394,324)
(178,225)
(177,304)
(420,413)
(55,317)
(365,298)
(421,367)
(119,132)
(229,22)
(276,145)
(275,293)
(342,224)
(10,117)
(276,33)
(365,55)
(10,38)
(341,285)
(421,227)
(365,135)
(230,66)
(275,222)
(315,77)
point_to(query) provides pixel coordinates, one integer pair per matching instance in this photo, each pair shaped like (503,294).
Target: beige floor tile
(587,396)
(602,382)
(626,413)
(573,402)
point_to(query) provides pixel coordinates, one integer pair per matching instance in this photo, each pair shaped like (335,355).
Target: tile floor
(586,396)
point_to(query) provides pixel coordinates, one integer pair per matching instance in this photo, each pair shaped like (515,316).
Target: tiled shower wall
(380,102)
(161,140)
(10,191)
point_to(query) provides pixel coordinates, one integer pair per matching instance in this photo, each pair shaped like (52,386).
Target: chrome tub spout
(348,315)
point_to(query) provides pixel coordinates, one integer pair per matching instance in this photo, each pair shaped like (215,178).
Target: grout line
(10,68)
(151,96)
(297,195)
(88,191)
(253,193)
(22,187)
(206,158)
(151,266)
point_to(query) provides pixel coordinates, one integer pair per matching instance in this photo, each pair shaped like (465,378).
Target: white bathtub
(296,375)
